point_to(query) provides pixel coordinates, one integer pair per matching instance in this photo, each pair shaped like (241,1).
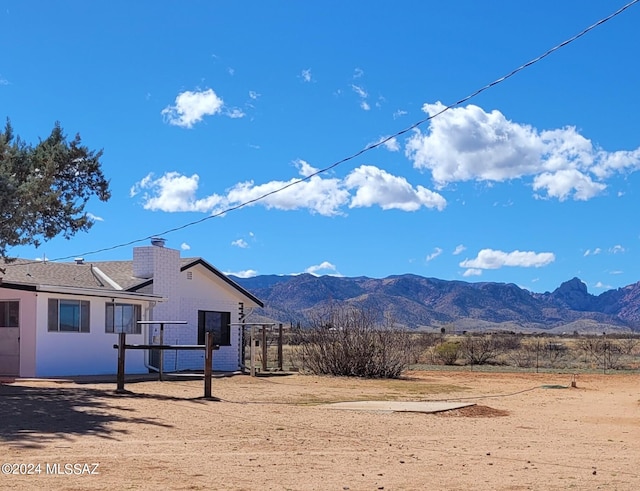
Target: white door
(9,338)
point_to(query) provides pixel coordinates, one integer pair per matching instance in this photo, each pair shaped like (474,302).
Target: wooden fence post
(208,363)
(264,349)
(280,341)
(121,351)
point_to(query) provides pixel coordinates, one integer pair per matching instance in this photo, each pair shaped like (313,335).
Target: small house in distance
(62,319)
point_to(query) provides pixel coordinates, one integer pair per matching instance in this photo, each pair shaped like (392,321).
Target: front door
(9,338)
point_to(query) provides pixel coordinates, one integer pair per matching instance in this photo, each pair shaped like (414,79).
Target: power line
(368,147)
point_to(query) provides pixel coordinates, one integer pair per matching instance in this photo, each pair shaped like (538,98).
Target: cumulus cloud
(364,105)
(472,272)
(617,249)
(495,259)
(253,95)
(323,266)
(185,247)
(241,243)
(599,284)
(375,186)
(306,75)
(392,144)
(247,273)
(399,113)
(191,107)
(365,186)
(322,196)
(468,143)
(173,192)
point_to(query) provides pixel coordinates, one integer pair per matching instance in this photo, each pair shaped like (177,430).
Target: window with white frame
(123,317)
(68,315)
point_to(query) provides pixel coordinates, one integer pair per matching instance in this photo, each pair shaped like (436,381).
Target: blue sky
(203,105)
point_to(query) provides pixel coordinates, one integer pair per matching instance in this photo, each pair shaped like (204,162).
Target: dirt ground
(526,431)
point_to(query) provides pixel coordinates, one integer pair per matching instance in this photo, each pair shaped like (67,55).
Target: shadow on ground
(30,417)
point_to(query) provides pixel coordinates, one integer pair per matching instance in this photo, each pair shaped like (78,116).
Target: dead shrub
(347,341)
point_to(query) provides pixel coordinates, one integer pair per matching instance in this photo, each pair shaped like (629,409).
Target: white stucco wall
(79,353)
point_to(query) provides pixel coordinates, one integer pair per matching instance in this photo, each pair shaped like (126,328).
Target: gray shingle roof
(85,275)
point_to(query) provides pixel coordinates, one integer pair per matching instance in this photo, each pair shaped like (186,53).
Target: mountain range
(418,302)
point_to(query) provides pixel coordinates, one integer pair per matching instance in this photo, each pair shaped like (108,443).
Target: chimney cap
(79,260)
(158,241)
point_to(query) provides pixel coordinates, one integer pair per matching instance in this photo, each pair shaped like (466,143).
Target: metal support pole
(161,358)
(121,351)
(280,340)
(208,363)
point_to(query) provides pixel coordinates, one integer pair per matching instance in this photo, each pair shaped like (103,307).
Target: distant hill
(417,302)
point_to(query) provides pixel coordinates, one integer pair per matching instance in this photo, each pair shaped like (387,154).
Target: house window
(123,317)
(68,315)
(217,323)
(9,313)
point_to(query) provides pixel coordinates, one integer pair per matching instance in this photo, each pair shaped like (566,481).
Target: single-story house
(62,319)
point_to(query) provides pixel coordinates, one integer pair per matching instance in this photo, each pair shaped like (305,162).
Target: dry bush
(479,350)
(348,342)
(447,353)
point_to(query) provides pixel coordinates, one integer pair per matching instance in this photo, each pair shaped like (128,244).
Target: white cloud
(247,273)
(599,284)
(616,271)
(364,105)
(564,183)
(472,272)
(241,243)
(594,252)
(235,113)
(436,252)
(617,249)
(459,250)
(399,113)
(322,196)
(191,107)
(390,143)
(493,259)
(3,81)
(357,73)
(467,143)
(95,217)
(375,186)
(324,266)
(306,75)
(185,247)
(253,95)
(360,91)
(173,192)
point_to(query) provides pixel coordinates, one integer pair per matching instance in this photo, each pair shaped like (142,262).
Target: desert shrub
(479,350)
(447,353)
(348,342)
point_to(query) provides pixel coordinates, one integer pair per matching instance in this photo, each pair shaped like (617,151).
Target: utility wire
(368,147)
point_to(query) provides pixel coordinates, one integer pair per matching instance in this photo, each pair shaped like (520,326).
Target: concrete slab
(400,406)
